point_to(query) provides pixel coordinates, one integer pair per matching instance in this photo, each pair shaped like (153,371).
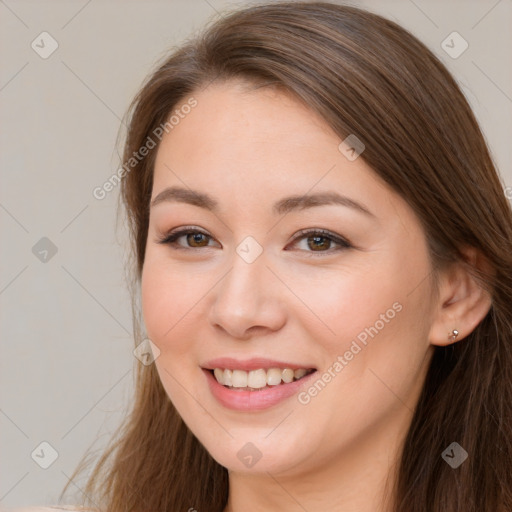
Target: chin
(253,450)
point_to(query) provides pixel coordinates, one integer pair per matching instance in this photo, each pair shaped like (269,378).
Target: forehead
(245,143)
(266,114)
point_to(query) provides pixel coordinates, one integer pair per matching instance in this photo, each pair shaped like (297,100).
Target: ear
(462,303)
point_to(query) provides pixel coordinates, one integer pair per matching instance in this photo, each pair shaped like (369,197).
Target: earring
(453,335)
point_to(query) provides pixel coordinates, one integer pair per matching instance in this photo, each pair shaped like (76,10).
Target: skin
(249,149)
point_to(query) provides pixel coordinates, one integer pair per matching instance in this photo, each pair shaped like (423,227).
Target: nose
(249,300)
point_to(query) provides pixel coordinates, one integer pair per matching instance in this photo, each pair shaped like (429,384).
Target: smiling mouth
(258,380)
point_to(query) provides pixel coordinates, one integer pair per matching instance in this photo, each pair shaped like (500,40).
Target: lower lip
(253,400)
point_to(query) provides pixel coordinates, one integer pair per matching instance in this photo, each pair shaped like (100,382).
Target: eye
(194,237)
(317,240)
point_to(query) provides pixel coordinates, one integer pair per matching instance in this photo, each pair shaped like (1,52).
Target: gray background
(67,362)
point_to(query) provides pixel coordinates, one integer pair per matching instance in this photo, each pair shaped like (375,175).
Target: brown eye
(195,239)
(317,241)
(320,242)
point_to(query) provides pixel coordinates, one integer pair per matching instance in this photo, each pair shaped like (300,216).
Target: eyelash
(171,238)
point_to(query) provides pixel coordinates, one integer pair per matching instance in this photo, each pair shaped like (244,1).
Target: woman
(323,253)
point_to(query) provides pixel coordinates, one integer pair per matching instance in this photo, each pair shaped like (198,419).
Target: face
(266,285)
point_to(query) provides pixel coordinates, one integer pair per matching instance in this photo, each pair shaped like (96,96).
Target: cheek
(382,328)
(341,304)
(169,299)
(373,313)
(167,310)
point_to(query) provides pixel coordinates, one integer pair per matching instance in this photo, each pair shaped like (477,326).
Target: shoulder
(55,508)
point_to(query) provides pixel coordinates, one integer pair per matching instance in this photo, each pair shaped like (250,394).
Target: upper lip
(251,364)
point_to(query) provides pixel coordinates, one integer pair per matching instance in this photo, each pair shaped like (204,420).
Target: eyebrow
(284,205)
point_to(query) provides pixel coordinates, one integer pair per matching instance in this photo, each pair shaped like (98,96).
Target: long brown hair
(368,76)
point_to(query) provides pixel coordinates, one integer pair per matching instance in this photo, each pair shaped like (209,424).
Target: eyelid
(171,236)
(324,232)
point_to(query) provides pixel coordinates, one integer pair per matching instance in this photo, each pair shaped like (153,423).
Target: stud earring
(453,335)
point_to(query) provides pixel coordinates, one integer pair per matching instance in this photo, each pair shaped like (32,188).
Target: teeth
(288,375)
(274,376)
(257,379)
(239,379)
(219,374)
(298,374)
